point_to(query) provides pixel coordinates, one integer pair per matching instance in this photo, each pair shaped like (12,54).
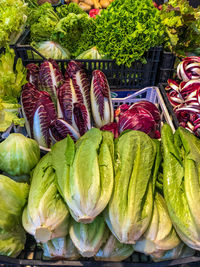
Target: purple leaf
(65,106)
(72,68)
(29,98)
(32,73)
(150,107)
(139,119)
(41,124)
(81,85)
(50,78)
(81,117)
(102,109)
(59,129)
(44,113)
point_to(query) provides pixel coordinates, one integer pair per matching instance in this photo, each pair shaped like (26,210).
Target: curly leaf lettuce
(42,21)
(75,32)
(127,29)
(182,25)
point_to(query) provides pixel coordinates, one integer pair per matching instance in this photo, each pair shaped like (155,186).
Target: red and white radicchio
(139,119)
(102,108)
(50,78)
(185,96)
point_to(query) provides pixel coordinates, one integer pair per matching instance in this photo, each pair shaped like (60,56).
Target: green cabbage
(18,154)
(92,53)
(46,216)
(13,242)
(13,197)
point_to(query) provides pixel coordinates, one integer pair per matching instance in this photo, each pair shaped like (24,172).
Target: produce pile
(128,197)
(183,94)
(11,82)
(124,31)
(182,25)
(54,105)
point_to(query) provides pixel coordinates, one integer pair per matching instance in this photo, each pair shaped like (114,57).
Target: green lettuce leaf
(13,16)
(9,114)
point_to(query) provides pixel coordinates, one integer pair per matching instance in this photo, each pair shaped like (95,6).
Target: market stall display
(90,173)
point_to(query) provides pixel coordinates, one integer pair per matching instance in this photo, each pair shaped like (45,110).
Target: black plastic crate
(166,67)
(119,77)
(32,256)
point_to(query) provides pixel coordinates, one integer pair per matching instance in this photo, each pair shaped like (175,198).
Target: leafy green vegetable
(130,208)
(13,197)
(46,216)
(64,10)
(11,81)
(74,33)
(50,49)
(181,182)
(12,243)
(42,21)
(127,29)
(9,110)
(18,154)
(182,23)
(13,16)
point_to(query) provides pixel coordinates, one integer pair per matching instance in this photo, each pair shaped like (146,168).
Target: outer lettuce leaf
(113,250)
(160,235)
(86,190)
(88,238)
